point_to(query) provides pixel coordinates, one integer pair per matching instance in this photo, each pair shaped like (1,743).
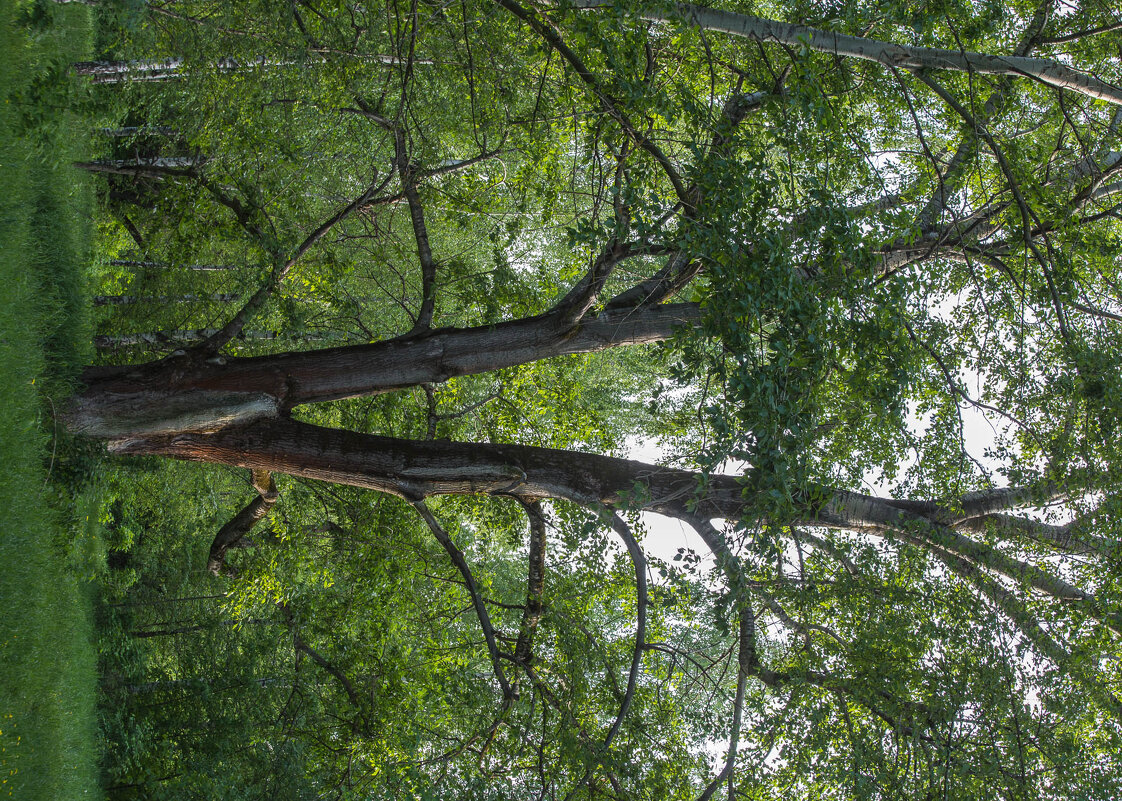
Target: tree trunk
(165,70)
(153,166)
(173,68)
(905,57)
(182,336)
(191,393)
(416,469)
(130,300)
(163,265)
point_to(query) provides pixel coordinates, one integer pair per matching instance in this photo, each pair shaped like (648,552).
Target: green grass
(48,549)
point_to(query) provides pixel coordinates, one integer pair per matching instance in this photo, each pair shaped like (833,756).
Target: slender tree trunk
(187,336)
(163,265)
(196,627)
(187,684)
(157,70)
(131,300)
(134,130)
(154,167)
(111,72)
(175,337)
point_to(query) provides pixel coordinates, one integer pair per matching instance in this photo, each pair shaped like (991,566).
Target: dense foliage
(895,278)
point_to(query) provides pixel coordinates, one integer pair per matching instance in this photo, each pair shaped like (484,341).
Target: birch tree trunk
(898,56)
(113,72)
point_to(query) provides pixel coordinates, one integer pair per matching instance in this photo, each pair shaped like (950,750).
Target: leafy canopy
(907,273)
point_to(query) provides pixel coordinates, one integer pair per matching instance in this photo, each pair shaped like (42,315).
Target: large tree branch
(747,659)
(112,72)
(578,300)
(678,271)
(415,470)
(231,534)
(1067,538)
(176,394)
(984,502)
(1047,71)
(851,510)
(746,664)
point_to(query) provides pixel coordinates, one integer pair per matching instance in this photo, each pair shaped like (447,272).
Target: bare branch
(461,564)
(828,547)
(302,646)
(680,267)
(746,655)
(640,564)
(544,28)
(583,295)
(785,617)
(420,232)
(251,307)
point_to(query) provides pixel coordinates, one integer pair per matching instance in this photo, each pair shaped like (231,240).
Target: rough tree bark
(186,393)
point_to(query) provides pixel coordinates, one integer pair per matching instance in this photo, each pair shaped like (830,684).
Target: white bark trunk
(172,68)
(905,57)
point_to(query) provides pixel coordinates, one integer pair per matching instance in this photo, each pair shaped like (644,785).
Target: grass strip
(48,736)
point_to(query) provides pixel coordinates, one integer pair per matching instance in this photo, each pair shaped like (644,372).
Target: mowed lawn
(48,550)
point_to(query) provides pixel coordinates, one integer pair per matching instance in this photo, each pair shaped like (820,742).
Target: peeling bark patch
(146,414)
